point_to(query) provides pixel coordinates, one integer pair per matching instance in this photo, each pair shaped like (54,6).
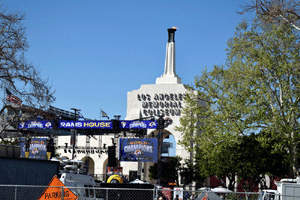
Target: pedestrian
(177,197)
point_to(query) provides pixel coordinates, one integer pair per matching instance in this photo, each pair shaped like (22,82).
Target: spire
(169,76)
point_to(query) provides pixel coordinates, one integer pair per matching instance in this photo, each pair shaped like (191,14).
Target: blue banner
(136,149)
(35,125)
(86,124)
(95,124)
(138,124)
(37,148)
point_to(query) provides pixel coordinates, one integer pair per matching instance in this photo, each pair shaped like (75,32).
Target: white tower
(165,98)
(169,76)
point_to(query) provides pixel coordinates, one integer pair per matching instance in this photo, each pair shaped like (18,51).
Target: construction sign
(54,193)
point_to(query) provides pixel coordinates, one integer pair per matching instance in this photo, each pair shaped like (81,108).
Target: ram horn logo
(137,152)
(22,124)
(123,124)
(152,124)
(48,124)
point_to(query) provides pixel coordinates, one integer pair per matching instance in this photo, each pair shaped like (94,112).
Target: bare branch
(16,73)
(275,11)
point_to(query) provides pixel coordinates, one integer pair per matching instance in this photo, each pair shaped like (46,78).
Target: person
(177,197)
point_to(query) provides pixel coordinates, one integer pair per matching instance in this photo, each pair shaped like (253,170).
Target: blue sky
(95,51)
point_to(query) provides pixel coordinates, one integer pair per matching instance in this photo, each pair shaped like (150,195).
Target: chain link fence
(10,192)
(13,192)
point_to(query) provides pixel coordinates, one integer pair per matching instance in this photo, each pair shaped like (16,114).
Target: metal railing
(24,192)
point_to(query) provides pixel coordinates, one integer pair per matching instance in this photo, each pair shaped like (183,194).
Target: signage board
(93,124)
(138,124)
(178,191)
(85,124)
(138,149)
(167,193)
(35,125)
(53,192)
(37,148)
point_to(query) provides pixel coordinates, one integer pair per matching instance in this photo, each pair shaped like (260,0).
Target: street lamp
(74,132)
(160,128)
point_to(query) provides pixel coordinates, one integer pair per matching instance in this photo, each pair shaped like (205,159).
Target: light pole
(74,132)
(160,128)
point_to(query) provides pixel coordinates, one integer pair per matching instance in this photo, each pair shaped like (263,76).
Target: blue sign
(35,125)
(86,124)
(37,148)
(138,124)
(136,149)
(95,124)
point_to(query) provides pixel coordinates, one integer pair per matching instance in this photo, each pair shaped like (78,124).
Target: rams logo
(35,151)
(48,124)
(138,152)
(123,124)
(22,124)
(152,124)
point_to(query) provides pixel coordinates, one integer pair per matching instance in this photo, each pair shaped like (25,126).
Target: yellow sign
(53,193)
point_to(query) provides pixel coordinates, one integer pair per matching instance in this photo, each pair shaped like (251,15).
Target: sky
(95,51)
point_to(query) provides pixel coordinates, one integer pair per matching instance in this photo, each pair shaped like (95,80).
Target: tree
(276,11)
(258,89)
(275,160)
(255,158)
(189,172)
(16,73)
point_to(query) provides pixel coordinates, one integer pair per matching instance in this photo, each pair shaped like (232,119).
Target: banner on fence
(138,149)
(178,191)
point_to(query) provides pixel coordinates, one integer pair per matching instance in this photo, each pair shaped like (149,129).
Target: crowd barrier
(20,192)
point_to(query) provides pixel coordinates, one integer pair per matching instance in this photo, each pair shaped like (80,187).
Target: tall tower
(169,76)
(165,97)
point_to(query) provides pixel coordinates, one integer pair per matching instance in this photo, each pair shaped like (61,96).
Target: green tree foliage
(189,172)
(254,159)
(251,157)
(257,90)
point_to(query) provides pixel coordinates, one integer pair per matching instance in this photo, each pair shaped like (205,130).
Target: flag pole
(100,113)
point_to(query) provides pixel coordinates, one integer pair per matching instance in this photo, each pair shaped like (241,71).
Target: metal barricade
(24,192)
